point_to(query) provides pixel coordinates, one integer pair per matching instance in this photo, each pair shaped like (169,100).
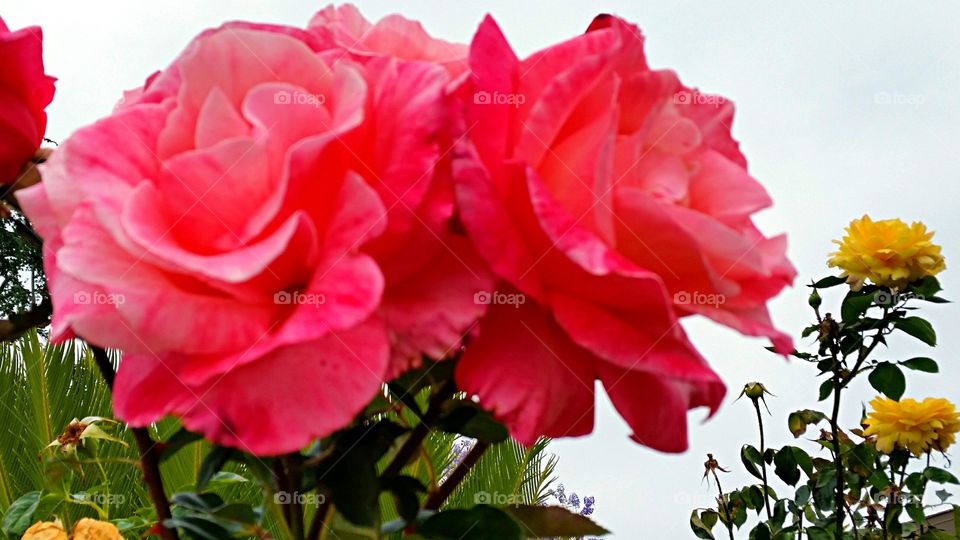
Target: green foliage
(880,494)
(22,281)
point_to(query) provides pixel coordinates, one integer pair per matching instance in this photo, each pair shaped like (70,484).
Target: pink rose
(614,200)
(394,35)
(250,227)
(25,91)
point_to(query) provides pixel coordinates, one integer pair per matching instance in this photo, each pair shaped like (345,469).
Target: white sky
(805,77)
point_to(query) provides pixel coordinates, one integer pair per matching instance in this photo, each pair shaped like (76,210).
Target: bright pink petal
(654,406)
(273,405)
(529,374)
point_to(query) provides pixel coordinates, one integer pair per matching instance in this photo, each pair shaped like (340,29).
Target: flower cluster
(390,176)
(85,529)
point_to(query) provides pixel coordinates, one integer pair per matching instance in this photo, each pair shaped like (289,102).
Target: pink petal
(276,404)
(529,374)
(655,407)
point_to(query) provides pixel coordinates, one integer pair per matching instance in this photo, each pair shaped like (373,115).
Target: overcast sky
(842,109)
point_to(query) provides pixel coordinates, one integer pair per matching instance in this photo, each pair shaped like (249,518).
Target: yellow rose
(889,253)
(91,529)
(45,530)
(916,426)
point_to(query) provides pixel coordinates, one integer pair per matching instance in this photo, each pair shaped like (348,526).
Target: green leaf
(175,442)
(926,287)
(699,525)
(481,522)
(751,459)
(940,476)
(928,365)
(198,502)
(786,466)
(199,527)
(215,460)
(799,420)
(468,419)
(405,490)
(918,328)
(826,388)
(943,495)
(887,379)
(855,304)
(915,511)
(19,516)
(550,521)
(349,473)
(237,512)
(760,532)
(830,281)
(879,480)
(819,533)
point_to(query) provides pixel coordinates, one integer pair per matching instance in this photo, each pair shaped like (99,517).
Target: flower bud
(815,299)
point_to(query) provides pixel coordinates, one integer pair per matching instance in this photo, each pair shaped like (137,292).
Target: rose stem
(149,454)
(440,495)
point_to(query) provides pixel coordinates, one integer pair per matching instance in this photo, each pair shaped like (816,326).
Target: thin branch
(763,461)
(20,323)
(411,446)
(436,499)
(149,454)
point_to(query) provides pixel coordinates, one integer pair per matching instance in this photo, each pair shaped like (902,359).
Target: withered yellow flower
(91,529)
(888,252)
(919,427)
(45,530)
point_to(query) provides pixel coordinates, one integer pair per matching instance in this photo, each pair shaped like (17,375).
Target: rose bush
(616,200)
(25,91)
(263,230)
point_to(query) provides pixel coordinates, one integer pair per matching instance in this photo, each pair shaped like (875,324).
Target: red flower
(25,91)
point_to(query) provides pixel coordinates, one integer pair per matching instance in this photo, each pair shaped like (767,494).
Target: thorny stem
(840,382)
(149,454)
